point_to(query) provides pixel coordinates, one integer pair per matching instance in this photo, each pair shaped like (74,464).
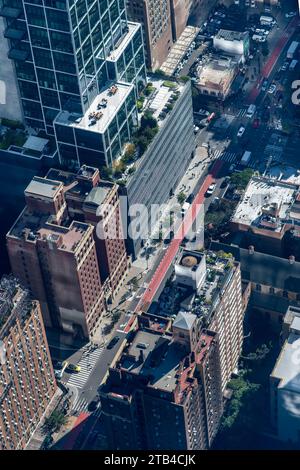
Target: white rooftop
(179,49)
(287,367)
(161,96)
(262,192)
(105,115)
(35,143)
(132,28)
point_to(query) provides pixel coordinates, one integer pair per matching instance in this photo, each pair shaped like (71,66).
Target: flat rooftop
(102,110)
(43,187)
(203,302)
(217,72)
(161,359)
(34,228)
(261,195)
(230,35)
(14,302)
(286,368)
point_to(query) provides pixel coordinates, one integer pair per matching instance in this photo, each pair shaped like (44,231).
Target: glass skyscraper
(66,54)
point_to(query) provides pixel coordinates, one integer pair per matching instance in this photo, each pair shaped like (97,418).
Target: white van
(251,111)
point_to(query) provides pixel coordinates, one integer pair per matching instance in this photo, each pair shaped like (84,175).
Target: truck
(245,158)
(267,20)
(251,111)
(292,50)
(293,64)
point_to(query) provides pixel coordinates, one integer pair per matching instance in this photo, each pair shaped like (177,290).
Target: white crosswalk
(242,112)
(231,157)
(80,405)
(87,364)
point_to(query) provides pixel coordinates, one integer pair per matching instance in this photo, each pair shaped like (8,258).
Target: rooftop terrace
(78,188)
(162,98)
(102,110)
(203,302)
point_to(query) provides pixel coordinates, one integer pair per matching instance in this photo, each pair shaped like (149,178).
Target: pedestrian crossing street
(231,157)
(87,364)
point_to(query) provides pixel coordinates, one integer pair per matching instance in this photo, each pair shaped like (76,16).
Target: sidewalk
(38,436)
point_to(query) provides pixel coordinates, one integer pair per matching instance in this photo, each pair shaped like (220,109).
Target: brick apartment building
(165,391)
(56,260)
(27,382)
(96,202)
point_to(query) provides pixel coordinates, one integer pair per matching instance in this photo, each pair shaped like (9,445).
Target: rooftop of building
(261,268)
(125,40)
(203,302)
(217,72)
(35,227)
(43,187)
(179,49)
(292,312)
(74,185)
(287,367)
(153,355)
(264,203)
(163,363)
(162,97)
(102,110)
(230,35)
(14,302)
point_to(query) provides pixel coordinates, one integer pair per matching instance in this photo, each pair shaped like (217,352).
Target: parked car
(291,14)
(272,89)
(225,182)
(93,405)
(265,84)
(113,342)
(285,66)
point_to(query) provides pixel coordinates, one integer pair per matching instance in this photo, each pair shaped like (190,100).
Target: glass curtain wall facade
(61,48)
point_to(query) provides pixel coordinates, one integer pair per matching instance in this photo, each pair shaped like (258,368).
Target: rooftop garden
(11,133)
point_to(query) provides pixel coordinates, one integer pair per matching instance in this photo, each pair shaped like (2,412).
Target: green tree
(148,120)
(134,282)
(240,180)
(116,316)
(181,197)
(129,154)
(54,422)
(242,391)
(185,78)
